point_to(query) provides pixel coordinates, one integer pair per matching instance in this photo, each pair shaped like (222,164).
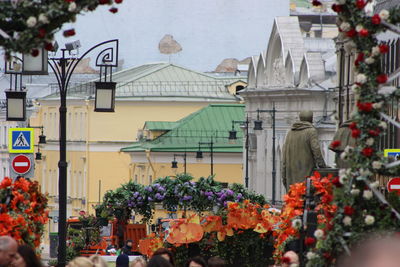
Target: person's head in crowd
(8,250)
(80,262)
(166,254)
(122,261)
(98,261)
(138,262)
(196,262)
(380,250)
(159,261)
(26,257)
(216,262)
(129,243)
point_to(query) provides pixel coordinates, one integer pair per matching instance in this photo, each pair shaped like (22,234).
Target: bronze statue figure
(301,151)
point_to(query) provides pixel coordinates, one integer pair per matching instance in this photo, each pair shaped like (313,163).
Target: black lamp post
(174,163)
(63,68)
(258,126)
(199,153)
(232,137)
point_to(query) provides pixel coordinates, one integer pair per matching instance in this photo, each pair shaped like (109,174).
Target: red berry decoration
(49,47)
(336,182)
(383,48)
(335,144)
(360,58)
(316,3)
(309,241)
(355,133)
(351,33)
(364,33)
(42,33)
(34,52)
(366,107)
(368,151)
(118,1)
(113,10)
(360,4)
(68,33)
(373,132)
(337,8)
(353,126)
(381,78)
(104,2)
(348,210)
(376,19)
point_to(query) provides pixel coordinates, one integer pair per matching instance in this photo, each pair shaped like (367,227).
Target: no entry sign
(21,164)
(394,185)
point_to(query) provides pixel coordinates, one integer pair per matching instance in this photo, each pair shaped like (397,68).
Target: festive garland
(361,208)
(26,25)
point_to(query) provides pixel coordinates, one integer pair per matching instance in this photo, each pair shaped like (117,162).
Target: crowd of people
(14,255)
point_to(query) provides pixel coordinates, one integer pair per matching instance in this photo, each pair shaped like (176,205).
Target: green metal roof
(159,125)
(210,123)
(161,80)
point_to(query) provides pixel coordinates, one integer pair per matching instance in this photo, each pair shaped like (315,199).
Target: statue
(343,134)
(301,151)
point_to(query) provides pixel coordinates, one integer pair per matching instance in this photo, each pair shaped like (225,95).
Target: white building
(295,73)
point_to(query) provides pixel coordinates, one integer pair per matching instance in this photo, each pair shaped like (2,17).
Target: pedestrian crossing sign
(20,140)
(395,153)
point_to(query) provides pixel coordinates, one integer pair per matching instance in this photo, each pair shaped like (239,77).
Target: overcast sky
(208,30)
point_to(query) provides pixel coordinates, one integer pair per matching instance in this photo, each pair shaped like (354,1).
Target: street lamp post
(174,163)
(258,126)
(199,154)
(63,68)
(232,136)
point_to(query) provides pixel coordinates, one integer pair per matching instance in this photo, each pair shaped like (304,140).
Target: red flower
(309,241)
(351,33)
(49,47)
(336,182)
(327,255)
(70,32)
(373,132)
(34,52)
(366,107)
(355,133)
(383,48)
(353,126)
(376,19)
(42,33)
(360,4)
(363,33)
(368,151)
(337,8)
(326,199)
(104,2)
(118,1)
(360,58)
(381,78)
(348,210)
(316,3)
(6,182)
(335,143)
(113,10)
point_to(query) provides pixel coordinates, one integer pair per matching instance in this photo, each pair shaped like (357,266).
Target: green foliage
(205,195)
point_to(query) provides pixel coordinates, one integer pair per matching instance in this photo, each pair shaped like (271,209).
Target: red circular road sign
(394,185)
(21,164)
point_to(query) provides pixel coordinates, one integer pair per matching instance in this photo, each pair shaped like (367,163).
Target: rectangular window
(150,179)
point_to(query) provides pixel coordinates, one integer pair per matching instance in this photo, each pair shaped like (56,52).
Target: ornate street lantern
(16,105)
(105,97)
(174,164)
(35,65)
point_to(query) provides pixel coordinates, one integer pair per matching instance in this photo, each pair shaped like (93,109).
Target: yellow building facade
(152,92)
